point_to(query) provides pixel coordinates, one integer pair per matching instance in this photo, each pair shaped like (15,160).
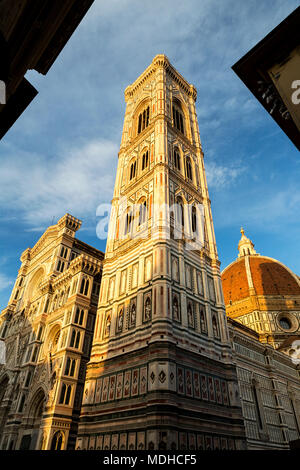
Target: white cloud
(5,282)
(40,187)
(220,177)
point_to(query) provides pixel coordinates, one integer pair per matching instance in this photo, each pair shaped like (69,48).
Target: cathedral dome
(262,294)
(267,277)
(253,274)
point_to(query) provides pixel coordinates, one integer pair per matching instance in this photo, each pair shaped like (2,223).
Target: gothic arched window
(143,119)
(128,222)
(132,170)
(65,394)
(189,174)
(194,219)
(68,365)
(3,387)
(180,212)
(142,213)
(145,160)
(178,116)
(68,395)
(62,394)
(35,354)
(84,288)
(57,441)
(79,316)
(72,371)
(75,338)
(177,159)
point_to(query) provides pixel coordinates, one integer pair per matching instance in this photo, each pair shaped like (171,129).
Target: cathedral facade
(47,328)
(134,350)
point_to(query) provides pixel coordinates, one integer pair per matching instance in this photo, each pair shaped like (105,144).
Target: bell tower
(161,374)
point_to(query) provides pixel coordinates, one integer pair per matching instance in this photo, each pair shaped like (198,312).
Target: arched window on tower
(128,222)
(132,170)
(189,174)
(180,213)
(177,159)
(194,219)
(143,119)
(145,160)
(142,212)
(178,116)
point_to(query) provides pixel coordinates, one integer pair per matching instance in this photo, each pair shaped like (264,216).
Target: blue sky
(61,155)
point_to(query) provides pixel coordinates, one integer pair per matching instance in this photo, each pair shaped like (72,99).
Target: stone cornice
(86,264)
(70,222)
(82,263)
(160,61)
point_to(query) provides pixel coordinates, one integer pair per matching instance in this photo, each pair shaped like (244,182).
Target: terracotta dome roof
(269,277)
(234,282)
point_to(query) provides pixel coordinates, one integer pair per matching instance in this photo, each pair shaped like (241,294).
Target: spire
(245,247)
